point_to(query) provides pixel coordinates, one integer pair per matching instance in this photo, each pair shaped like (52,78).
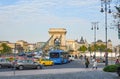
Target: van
(71,57)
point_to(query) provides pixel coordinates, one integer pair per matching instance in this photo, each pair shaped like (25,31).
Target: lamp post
(14,58)
(105,7)
(95,28)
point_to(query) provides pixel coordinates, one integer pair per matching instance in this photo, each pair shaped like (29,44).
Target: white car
(71,58)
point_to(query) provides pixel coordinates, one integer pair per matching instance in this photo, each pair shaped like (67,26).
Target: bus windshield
(54,55)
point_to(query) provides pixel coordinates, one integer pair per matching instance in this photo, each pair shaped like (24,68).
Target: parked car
(26,64)
(45,62)
(21,54)
(29,54)
(5,63)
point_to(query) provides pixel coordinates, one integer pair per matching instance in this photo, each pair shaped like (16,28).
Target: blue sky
(30,20)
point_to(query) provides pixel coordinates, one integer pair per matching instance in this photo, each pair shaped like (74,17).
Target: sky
(30,20)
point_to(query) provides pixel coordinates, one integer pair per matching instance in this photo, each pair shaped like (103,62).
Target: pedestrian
(94,57)
(81,57)
(117,61)
(94,64)
(85,57)
(87,63)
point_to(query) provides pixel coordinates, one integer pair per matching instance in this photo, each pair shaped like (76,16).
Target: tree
(98,48)
(6,49)
(102,48)
(82,49)
(109,50)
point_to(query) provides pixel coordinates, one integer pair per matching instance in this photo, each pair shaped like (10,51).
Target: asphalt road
(73,70)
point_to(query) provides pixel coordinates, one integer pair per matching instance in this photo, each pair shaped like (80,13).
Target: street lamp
(105,7)
(95,28)
(14,58)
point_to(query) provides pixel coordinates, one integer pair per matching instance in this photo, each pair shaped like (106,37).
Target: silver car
(5,63)
(26,64)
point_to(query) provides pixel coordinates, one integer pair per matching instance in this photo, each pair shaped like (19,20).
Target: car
(100,60)
(71,58)
(5,63)
(29,54)
(45,62)
(21,54)
(26,64)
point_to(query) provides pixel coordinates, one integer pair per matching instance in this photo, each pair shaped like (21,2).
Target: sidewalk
(78,73)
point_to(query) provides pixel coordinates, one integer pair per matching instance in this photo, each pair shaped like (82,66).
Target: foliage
(109,50)
(89,48)
(6,49)
(82,49)
(101,48)
(10,59)
(110,68)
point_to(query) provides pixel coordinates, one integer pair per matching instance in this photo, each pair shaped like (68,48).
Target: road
(75,69)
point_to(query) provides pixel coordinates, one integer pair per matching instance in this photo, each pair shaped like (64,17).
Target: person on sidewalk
(94,64)
(117,61)
(87,63)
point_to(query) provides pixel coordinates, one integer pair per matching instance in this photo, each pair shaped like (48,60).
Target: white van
(71,58)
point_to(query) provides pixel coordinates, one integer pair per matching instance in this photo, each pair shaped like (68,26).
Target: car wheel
(21,67)
(39,67)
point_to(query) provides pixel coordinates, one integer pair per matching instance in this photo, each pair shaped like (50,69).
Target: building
(100,42)
(39,45)
(31,47)
(23,44)
(74,45)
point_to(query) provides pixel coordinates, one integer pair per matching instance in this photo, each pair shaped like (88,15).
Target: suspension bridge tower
(58,37)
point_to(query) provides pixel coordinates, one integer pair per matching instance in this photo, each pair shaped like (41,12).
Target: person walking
(117,61)
(87,63)
(94,64)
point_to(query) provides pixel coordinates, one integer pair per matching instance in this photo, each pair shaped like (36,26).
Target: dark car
(30,54)
(5,63)
(26,64)
(21,54)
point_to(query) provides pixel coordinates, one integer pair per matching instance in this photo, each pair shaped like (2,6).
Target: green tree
(101,48)
(93,48)
(6,49)
(82,49)
(109,50)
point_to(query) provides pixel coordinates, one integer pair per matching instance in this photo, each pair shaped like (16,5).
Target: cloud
(29,18)
(81,3)
(29,11)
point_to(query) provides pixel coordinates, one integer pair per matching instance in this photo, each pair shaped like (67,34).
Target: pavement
(67,73)
(61,73)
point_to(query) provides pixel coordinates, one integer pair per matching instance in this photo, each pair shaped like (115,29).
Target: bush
(110,68)
(10,59)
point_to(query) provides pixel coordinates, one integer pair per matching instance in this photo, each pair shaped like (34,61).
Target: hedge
(111,68)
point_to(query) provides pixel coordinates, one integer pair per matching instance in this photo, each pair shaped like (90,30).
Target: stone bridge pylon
(58,38)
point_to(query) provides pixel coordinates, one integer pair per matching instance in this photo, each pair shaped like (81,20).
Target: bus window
(54,55)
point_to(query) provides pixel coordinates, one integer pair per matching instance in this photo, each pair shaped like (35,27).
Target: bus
(58,56)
